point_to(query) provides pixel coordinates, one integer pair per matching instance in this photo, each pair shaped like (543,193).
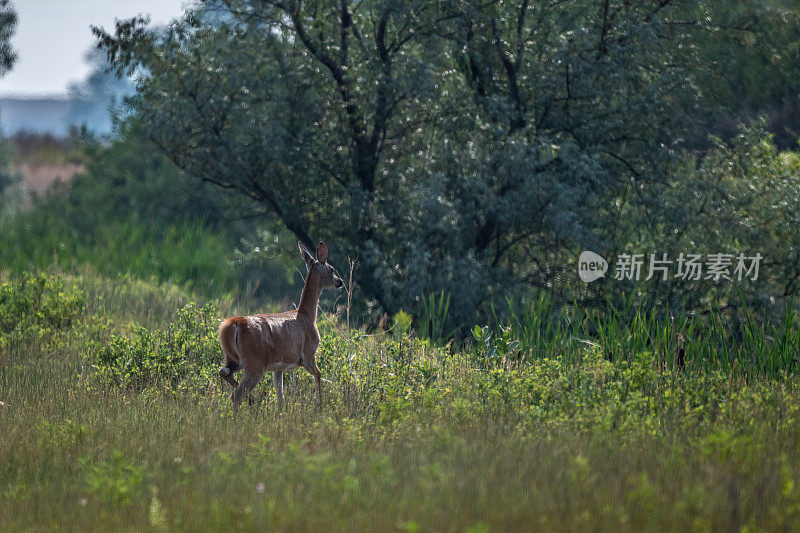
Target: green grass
(110,425)
(188,254)
(731,341)
(90,227)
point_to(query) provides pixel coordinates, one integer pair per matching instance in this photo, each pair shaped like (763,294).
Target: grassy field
(112,417)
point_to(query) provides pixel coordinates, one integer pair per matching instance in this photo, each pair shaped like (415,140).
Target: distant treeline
(89,103)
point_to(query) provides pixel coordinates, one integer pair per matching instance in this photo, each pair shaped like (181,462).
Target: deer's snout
(338,283)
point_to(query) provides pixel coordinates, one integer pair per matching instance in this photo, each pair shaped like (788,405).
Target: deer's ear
(322,252)
(306,255)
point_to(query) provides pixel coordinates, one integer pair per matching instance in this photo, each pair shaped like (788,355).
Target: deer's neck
(309,298)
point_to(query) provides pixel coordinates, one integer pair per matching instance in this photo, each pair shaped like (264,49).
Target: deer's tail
(229,332)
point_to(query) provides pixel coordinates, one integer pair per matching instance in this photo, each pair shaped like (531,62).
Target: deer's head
(328,277)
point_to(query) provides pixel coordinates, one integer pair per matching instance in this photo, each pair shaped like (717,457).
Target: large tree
(469,146)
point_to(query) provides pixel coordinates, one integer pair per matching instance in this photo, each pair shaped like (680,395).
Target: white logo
(690,267)
(591,266)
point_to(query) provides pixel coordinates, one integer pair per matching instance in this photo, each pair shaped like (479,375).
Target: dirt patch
(40,177)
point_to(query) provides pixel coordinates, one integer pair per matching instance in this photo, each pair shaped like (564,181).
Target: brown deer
(278,341)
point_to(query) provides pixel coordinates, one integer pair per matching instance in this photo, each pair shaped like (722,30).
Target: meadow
(113,418)
(461,155)
(543,416)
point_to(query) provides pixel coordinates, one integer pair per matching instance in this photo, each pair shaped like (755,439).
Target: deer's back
(275,341)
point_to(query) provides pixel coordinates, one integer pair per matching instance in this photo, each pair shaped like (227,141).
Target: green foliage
(132,212)
(432,320)
(748,192)
(8,26)
(176,358)
(189,254)
(116,481)
(7,175)
(500,346)
(425,135)
(465,151)
(67,433)
(131,181)
(738,340)
(473,148)
(751,73)
(146,437)
(401,324)
(37,305)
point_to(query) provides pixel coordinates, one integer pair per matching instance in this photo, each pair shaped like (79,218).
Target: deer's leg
(313,369)
(277,377)
(249,381)
(226,373)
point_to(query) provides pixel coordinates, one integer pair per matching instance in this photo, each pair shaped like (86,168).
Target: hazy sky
(53,36)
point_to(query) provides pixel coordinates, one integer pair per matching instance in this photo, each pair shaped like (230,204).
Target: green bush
(37,304)
(180,357)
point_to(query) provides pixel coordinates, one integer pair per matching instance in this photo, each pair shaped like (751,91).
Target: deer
(278,342)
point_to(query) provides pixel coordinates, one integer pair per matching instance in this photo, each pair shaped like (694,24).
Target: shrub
(37,304)
(180,357)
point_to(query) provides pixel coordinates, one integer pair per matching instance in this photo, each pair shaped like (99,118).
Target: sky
(53,37)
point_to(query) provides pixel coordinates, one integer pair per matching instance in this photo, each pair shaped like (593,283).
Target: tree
(295,125)
(8,25)
(749,69)
(470,146)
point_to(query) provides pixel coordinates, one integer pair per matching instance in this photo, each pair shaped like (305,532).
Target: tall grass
(719,340)
(109,425)
(188,254)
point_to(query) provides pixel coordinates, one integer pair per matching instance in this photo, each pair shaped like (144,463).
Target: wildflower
(260,488)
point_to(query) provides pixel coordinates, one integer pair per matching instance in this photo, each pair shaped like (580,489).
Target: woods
(481,144)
